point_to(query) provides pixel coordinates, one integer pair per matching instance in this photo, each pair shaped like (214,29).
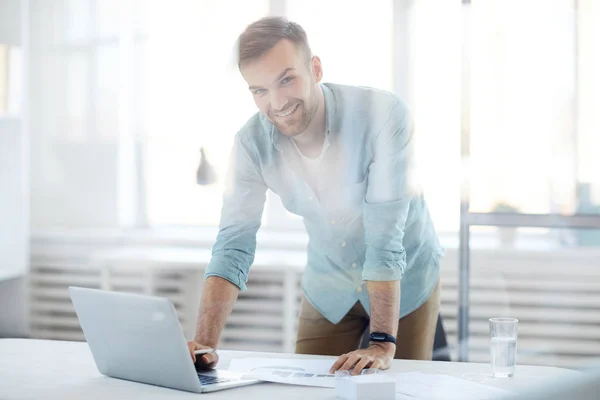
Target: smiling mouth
(288,112)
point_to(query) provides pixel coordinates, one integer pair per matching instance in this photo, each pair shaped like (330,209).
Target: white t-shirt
(311,169)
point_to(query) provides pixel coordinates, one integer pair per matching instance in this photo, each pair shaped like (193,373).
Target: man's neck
(310,142)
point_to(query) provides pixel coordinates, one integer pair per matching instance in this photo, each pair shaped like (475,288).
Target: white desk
(38,369)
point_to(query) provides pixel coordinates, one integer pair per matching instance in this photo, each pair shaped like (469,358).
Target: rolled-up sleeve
(390,190)
(241,214)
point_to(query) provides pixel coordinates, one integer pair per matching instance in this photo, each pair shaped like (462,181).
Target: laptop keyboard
(211,380)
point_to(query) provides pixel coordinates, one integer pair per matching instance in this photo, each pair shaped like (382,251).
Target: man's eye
(287,80)
(258,92)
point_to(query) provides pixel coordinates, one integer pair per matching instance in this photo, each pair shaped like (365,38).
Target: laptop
(139,338)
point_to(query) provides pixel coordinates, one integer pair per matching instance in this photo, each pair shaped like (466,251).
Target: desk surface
(36,369)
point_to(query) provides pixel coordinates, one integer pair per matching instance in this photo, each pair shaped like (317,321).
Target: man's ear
(317,68)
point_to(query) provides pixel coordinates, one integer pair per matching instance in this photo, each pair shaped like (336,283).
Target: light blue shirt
(368,219)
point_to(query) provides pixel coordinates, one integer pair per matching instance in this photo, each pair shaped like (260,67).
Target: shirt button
(333,222)
(343,244)
(359,289)
(353,265)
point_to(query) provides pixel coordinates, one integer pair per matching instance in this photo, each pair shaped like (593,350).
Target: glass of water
(503,346)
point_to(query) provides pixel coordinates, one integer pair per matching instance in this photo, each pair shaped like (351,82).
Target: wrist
(387,347)
(205,342)
(382,337)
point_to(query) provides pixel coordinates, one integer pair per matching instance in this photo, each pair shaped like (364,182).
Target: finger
(350,362)
(191,348)
(209,361)
(382,363)
(338,363)
(364,362)
(209,358)
(386,363)
(376,364)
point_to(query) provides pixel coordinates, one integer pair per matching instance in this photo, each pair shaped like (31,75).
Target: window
(522,106)
(534,93)
(435,39)
(196,98)
(79,109)
(355,45)
(10,80)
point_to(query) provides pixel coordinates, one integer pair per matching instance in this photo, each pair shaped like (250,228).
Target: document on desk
(306,372)
(409,385)
(419,385)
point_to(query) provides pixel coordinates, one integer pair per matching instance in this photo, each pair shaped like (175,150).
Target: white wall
(10,22)
(14,178)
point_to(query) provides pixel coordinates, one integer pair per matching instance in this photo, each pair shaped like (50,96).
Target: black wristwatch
(382,337)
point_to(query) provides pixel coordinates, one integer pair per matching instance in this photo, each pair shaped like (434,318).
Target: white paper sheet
(410,385)
(444,387)
(307,372)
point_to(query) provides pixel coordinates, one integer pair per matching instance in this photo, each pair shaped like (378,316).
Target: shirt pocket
(355,194)
(287,187)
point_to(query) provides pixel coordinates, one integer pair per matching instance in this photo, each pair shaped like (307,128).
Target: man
(342,158)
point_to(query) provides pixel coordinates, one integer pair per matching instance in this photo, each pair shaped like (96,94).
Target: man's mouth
(289,111)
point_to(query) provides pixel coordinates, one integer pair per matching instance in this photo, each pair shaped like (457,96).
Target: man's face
(284,86)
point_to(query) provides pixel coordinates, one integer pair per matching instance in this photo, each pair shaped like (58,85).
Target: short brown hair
(262,35)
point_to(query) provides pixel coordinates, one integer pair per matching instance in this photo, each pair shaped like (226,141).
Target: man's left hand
(377,355)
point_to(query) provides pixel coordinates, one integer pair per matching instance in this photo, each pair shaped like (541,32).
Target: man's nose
(278,102)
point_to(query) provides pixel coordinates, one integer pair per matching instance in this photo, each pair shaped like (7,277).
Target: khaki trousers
(416,331)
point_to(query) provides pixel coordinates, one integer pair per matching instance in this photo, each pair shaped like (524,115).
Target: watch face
(378,337)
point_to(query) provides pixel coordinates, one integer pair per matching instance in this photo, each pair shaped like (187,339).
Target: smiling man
(342,158)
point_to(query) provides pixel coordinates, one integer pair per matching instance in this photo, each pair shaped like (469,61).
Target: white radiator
(263,318)
(555,294)
(51,312)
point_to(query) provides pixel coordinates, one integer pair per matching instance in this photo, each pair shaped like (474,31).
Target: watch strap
(382,337)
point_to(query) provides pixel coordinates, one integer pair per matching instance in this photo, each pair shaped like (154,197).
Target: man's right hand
(206,361)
